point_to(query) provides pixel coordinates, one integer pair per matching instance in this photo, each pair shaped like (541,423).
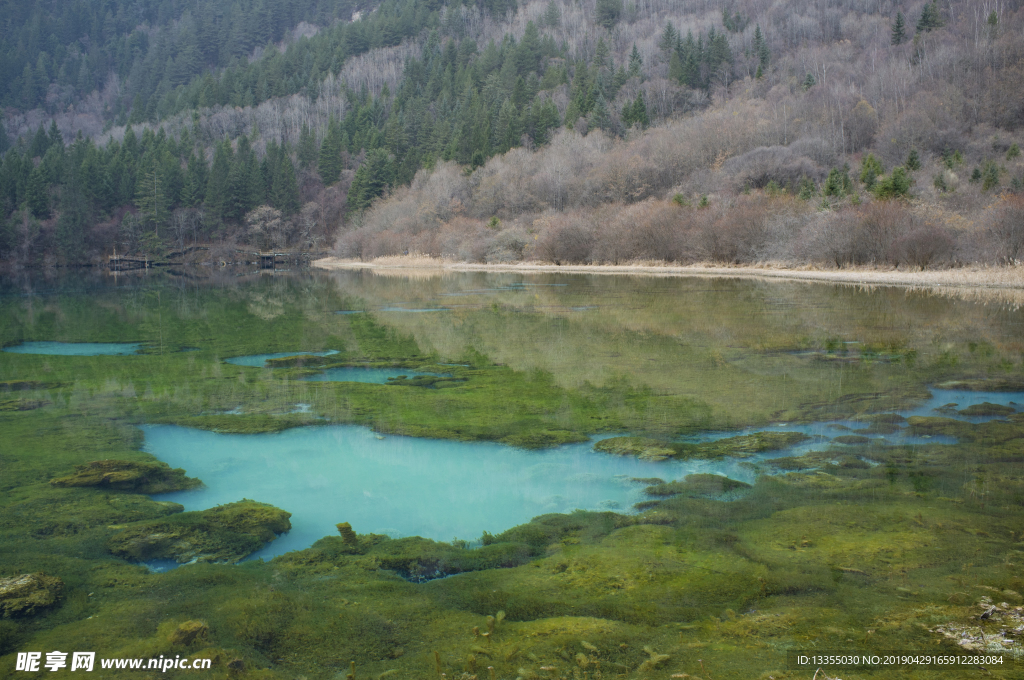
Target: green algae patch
(25,594)
(699,486)
(984,385)
(128,475)
(852,439)
(226,533)
(742,446)
(987,409)
(641,447)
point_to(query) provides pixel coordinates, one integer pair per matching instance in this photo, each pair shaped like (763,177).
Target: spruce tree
(913,160)
(330,154)
(899,29)
(307,151)
(636,63)
(930,18)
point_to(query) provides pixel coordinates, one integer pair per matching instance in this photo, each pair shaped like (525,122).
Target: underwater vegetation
(831,544)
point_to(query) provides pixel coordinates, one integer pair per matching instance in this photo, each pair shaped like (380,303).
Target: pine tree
(36,196)
(552,15)
(284,191)
(899,29)
(636,63)
(307,151)
(330,154)
(669,38)
(640,111)
(913,160)
(608,12)
(930,18)
(217,185)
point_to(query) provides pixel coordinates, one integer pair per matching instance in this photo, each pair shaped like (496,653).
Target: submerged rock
(226,533)
(155,477)
(25,594)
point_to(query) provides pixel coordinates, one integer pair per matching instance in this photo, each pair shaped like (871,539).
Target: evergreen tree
(870,169)
(608,12)
(640,111)
(809,82)
(930,18)
(636,63)
(896,185)
(284,192)
(217,185)
(669,38)
(372,179)
(330,154)
(36,195)
(913,160)
(899,29)
(552,15)
(307,152)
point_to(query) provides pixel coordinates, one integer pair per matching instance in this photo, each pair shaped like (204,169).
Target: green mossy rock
(699,486)
(226,533)
(987,409)
(128,475)
(641,447)
(26,594)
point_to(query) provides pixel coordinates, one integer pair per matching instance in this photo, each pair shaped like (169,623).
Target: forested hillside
(839,131)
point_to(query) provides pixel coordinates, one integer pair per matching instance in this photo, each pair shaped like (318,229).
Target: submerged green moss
(742,446)
(860,545)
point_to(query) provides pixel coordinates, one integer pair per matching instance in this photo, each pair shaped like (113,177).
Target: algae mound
(128,475)
(852,439)
(742,446)
(641,447)
(699,486)
(987,409)
(226,533)
(23,595)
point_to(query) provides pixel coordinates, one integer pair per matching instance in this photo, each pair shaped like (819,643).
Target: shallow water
(76,349)
(893,540)
(379,376)
(404,486)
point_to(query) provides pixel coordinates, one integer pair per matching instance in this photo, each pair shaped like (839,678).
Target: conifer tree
(307,151)
(636,63)
(330,154)
(930,18)
(899,29)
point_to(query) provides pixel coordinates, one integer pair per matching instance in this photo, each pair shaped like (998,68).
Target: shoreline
(977,277)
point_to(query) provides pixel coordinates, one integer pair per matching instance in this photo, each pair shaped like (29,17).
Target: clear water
(378,376)
(403,486)
(407,486)
(260,360)
(76,349)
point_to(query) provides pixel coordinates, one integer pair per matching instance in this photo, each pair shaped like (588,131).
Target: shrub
(923,246)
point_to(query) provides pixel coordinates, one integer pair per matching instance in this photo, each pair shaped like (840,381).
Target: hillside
(846,132)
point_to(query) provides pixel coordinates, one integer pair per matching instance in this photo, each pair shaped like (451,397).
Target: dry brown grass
(966,281)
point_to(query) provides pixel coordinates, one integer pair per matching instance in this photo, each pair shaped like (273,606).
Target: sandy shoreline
(1005,278)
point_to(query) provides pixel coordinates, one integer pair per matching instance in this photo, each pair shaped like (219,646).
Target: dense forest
(838,132)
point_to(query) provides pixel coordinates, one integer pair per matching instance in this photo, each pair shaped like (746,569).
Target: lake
(732,466)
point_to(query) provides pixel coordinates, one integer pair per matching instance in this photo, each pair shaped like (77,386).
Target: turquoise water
(379,376)
(76,349)
(406,486)
(260,360)
(402,486)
